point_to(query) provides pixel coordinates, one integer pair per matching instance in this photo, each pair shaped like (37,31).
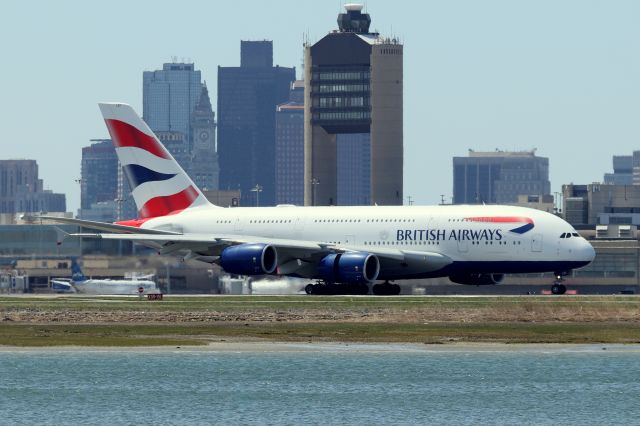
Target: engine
(249,259)
(349,268)
(477,279)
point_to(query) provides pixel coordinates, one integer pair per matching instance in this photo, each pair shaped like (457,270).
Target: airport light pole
(257,189)
(314,184)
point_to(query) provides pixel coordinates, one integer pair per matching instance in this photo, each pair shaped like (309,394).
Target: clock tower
(204,161)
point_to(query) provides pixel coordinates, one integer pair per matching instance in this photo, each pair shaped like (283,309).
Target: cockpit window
(575,234)
(564,235)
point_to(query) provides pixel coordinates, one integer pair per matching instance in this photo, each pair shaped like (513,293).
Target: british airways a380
(339,249)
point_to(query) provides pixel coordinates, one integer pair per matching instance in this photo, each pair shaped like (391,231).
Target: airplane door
(298,227)
(463,246)
(237,225)
(536,243)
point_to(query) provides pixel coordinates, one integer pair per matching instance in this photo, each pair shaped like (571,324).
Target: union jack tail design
(159,185)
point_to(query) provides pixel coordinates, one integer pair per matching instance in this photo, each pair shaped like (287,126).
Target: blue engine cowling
(477,279)
(249,259)
(349,268)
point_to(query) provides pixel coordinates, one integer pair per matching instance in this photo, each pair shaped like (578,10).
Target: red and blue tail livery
(528,222)
(159,186)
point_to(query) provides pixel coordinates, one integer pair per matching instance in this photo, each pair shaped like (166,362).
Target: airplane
(354,250)
(79,283)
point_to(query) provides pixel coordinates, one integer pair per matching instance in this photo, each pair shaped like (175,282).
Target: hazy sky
(557,75)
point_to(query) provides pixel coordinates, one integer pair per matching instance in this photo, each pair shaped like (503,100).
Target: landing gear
(335,289)
(558,287)
(386,289)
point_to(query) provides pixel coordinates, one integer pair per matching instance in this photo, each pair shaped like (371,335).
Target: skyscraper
(177,108)
(247,99)
(169,97)
(290,148)
(499,177)
(99,173)
(204,159)
(353,86)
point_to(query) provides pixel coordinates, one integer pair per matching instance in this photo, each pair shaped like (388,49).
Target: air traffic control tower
(353,85)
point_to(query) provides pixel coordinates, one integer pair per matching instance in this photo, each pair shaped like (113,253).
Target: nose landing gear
(557,287)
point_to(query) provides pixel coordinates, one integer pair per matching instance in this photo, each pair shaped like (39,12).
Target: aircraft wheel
(395,289)
(558,288)
(309,289)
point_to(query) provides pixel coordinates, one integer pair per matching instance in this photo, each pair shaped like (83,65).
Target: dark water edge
(323,384)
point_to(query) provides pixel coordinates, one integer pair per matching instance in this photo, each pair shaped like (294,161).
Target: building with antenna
(353,115)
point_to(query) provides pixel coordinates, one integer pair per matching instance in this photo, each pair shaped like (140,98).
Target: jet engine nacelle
(349,268)
(249,259)
(477,279)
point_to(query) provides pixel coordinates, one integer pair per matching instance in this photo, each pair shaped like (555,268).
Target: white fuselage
(106,286)
(465,234)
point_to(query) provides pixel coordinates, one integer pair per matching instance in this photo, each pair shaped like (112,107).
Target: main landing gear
(557,287)
(324,288)
(386,289)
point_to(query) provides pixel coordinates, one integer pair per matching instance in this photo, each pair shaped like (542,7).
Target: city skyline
(560,77)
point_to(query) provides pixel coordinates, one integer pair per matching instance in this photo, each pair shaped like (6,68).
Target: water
(331,384)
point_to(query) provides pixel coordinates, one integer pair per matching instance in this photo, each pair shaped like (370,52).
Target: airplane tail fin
(159,185)
(76,272)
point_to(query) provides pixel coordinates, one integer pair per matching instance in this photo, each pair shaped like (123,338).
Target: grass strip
(127,335)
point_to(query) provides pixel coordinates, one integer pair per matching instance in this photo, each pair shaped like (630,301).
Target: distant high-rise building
(204,159)
(622,171)
(353,115)
(247,99)
(499,177)
(169,97)
(177,108)
(354,169)
(22,191)
(290,148)
(99,173)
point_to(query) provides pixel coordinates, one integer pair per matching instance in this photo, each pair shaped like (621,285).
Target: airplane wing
(294,256)
(102,226)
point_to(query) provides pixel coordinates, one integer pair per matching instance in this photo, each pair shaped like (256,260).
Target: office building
(204,159)
(601,204)
(98,173)
(622,171)
(290,148)
(21,190)
(247,100)
(170,96)
(353,86)
(177,108)
(499,177)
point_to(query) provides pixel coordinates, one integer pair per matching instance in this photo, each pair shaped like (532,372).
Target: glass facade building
(247,100)
(99,173)
(169,97)
(290,148)
(499,177)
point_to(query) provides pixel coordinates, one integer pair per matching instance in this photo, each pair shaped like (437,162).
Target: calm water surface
(326,385)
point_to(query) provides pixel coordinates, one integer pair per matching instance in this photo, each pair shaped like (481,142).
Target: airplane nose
(588,251)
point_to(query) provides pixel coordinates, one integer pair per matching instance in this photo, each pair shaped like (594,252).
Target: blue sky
(559,76)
